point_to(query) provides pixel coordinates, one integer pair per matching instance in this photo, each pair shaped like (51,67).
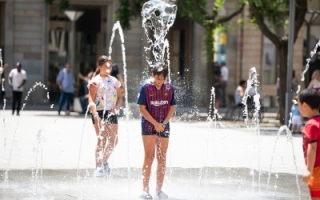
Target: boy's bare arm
(119,99)
(170,113)
(311,157)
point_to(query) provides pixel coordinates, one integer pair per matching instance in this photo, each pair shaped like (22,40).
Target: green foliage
(125,13)
(186,9)
(273,11)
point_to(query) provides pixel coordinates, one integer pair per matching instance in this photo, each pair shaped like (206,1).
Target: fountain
(205,162)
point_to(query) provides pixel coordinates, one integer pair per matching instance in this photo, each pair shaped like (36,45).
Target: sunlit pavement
(43,153)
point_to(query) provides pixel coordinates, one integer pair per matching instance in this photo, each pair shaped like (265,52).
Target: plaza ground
(46,156)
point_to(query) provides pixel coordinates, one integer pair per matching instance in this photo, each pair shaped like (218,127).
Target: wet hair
(310,97)
(101,60)
(242,82)
(115,70)
(160,69)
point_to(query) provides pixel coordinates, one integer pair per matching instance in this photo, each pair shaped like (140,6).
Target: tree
(203,12)
(272,19)
(194,10)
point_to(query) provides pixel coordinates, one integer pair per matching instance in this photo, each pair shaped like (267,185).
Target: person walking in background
(225,75)
(2,91)
(296,120)
(315,82)
(65,81)
(309,103)
(17,79)
(156,103)
(86,79)
(105,100)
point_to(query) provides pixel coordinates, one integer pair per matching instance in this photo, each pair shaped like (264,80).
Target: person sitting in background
(239,93)
(251,101)
(315,82)
(2,91)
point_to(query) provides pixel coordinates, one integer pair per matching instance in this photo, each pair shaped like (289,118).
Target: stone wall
(25,39)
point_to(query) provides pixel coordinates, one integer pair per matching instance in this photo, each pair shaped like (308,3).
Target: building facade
(38,35)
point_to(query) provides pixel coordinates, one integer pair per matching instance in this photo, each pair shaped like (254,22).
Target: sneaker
(161,195)
(106,168)
(145,195)
(98,172)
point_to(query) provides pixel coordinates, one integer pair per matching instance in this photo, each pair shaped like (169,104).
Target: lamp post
(290,60)
(73,15)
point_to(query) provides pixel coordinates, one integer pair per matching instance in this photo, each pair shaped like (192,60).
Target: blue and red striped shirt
(157,103)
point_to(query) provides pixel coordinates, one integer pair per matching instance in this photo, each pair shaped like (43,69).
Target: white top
(106,97)
(224,73)
(17,79)
(237,97)
(316,84)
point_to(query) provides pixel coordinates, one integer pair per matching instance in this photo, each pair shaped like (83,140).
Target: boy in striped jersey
(156,102)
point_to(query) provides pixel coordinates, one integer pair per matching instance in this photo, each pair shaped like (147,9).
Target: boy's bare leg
(162,147)
(112,136)
(149,143)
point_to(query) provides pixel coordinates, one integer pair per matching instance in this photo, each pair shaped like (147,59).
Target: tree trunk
(283,78)
(209,40)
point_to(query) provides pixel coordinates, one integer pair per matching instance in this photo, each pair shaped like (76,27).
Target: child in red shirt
(309,104)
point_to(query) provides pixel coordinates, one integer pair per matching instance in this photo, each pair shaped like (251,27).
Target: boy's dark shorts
(164,134)
(111,119)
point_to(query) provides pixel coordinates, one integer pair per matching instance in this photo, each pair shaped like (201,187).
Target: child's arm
(170,113)
(310,86)
(119,99)
(158,126)
(311,157)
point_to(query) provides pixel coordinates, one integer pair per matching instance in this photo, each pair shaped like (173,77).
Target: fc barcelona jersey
(157,103)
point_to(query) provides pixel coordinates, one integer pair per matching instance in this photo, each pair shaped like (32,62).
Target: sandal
(145,195)
(162,195)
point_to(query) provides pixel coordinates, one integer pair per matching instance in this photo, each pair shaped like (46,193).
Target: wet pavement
(45,156)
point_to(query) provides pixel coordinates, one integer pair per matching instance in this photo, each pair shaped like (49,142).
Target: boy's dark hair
(310,97)
(160,69)
(242,82)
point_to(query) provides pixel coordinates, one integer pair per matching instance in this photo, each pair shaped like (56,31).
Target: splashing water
(38,158)
(32,89)
(157,18)
(312,53)
(289,137)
